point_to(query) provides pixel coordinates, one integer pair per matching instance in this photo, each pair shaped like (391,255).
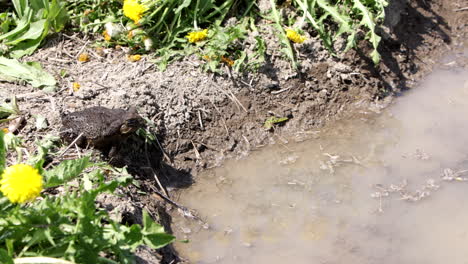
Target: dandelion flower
(5,130)
(84,57)
(133,10)
(76,86)
(134,58)
(294,36)
(197,36)
(21,183)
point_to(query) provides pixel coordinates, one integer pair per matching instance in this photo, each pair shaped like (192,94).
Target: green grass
(162,30)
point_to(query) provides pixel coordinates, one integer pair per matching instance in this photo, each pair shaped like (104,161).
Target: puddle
(386,188)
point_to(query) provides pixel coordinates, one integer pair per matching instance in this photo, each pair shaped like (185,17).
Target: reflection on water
(375,189)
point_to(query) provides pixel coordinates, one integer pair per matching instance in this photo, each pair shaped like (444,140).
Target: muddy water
(387,188)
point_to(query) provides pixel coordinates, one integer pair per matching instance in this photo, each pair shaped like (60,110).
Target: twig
(230,75)
(460,9)
(237,101)
(280,91)
(246,140)
(222,116)
(66,149)
(82,49)
(231,96)
(154,172)
(162,150)
(197,154)
(200,120)
(181,207)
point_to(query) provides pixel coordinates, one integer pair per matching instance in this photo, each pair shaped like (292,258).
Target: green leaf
(57,15)
(65,171)
(26,48)
(274,120)
(184,4)
(343,20)
(149,226)
(369,21)
(2,152)
(29,72)
(154,235)
(156,241)
(134,237)
(21,6)
(5,258)
(21,26)
(35,31)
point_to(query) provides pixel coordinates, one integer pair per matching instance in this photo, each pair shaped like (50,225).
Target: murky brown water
(377,189)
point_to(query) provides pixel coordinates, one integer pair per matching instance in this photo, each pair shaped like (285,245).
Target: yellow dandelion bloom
(5,130)
(21,183)
(294,36)
(76,86)
(84,57)
(106,35)
(133,10)
(197,36)
(134,58)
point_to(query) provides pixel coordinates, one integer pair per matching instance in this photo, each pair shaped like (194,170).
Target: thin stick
(222,116)
(162,150)
(65,150)
(197,154)
(200,120)
(460,9)
(237,101)
(154,172)
(280,91)
(181,207)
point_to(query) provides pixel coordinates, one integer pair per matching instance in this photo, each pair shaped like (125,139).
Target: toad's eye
(125,129)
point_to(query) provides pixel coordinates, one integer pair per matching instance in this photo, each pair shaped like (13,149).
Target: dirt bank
(202,118)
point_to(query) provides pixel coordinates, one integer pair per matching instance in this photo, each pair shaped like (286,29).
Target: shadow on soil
(146,162)
(414,24)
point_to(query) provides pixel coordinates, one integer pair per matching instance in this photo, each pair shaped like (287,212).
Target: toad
(102,128)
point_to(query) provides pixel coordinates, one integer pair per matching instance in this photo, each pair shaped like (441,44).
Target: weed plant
(38,220)
(171,29)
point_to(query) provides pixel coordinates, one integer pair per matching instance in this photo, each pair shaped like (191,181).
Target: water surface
(385,188)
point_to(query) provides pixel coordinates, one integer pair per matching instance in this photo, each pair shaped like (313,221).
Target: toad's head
(132,121)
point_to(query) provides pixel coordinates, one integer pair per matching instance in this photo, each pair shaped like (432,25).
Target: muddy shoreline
(201,119)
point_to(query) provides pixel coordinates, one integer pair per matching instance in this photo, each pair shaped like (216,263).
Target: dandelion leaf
(12,69)
(65,171)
